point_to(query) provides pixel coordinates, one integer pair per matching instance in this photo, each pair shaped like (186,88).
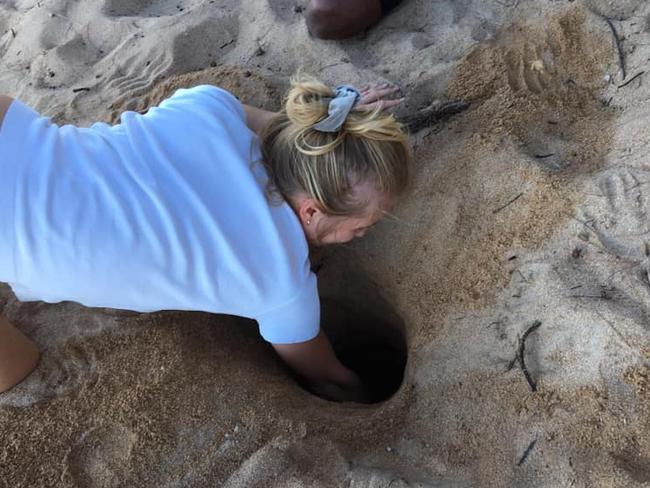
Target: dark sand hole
(367,334)
(370,346)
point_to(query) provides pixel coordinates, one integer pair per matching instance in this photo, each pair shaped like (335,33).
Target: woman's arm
(257,118)
(5,101)
(316,362)
(371,98)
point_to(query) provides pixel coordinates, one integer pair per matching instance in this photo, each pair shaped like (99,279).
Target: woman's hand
(382,96)
(352,391)
(316,362)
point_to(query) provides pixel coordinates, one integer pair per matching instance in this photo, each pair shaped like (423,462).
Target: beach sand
(529,207)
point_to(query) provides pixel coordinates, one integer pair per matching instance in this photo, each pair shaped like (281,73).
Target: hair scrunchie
(340,106)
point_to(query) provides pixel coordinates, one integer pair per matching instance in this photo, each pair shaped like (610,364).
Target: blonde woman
(201,204)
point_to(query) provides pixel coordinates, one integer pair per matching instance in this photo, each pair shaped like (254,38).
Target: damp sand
(528,206)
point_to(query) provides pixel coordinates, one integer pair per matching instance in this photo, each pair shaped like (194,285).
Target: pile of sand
(528,207)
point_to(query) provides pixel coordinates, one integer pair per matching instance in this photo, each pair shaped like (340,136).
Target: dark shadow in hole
(365,331)
(368,344)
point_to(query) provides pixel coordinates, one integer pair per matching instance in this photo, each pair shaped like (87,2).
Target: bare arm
(316,362)
(371,97)
(5,101)
(257,118)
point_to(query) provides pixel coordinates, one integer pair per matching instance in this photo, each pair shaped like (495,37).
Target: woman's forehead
(374,200)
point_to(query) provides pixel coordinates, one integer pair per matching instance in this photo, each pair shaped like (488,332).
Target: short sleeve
(214,97)
(295,321)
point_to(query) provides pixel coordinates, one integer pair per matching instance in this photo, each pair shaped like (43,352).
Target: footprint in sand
(622,226)
(546,143)
(286,10)
(78,51)
(133,78)
(205,43)
(55,32)
(539,68)
(528,68)
(98,459)
(618,219)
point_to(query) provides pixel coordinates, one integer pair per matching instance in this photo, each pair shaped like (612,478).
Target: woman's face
(322,229)
(338,230)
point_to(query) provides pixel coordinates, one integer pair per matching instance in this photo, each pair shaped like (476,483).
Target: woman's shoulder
(209,96)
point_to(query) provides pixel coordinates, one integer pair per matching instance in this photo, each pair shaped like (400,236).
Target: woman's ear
(308,210)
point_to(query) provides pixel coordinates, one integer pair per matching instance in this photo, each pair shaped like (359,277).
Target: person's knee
(18,355)
(339,19)
(324,19)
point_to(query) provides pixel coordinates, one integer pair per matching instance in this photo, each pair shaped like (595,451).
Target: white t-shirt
(166,210)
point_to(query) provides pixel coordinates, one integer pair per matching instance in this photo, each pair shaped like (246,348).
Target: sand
(531,205)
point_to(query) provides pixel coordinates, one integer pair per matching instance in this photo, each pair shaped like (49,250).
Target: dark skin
(340,19)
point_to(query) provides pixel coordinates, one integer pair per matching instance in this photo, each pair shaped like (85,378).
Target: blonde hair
(371,147)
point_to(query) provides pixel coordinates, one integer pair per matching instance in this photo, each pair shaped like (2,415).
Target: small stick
(524,456)
(522,276)
(621,57)
(83,88)
(632,79)
(544,156)
(522,350)
(511,364)
(496,211)
(432,114)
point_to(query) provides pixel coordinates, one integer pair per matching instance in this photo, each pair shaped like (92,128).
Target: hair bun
(307,101)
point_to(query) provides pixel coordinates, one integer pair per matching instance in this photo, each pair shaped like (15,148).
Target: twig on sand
(497,210)
(511,364)
(524,456)
(522,275)
(522,350)
(428,116)
(619,48)
(640,73)
(330,66)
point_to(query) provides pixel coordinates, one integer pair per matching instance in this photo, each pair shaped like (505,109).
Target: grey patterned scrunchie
(344,100)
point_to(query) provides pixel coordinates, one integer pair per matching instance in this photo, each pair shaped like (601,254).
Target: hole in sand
(369,344)
(367,334)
